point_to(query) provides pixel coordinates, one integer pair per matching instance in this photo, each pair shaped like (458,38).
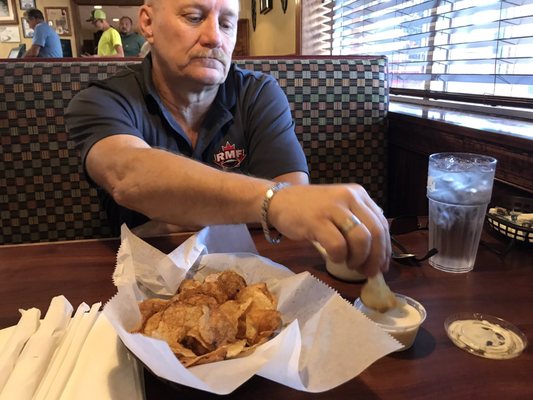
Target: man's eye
(227,25)
(194,18)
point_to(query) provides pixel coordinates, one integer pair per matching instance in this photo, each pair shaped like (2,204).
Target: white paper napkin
(325,342)
(101,369)
(37,353)
(27,325)
(60,368)
(104,370)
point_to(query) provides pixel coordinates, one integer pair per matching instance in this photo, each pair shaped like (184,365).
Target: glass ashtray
(485,335)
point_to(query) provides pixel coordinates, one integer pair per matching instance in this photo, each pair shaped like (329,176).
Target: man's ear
(145,22)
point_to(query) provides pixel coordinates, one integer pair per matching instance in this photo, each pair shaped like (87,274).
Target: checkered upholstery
(339,107)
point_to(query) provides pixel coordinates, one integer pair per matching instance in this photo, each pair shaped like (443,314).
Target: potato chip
(149,308)
(264,323)
(260,295)
(216,328)
(213,320)
(231,283)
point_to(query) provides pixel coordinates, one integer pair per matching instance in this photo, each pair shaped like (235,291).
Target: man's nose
(211,35)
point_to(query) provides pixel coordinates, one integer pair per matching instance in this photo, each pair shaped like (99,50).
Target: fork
(406,255)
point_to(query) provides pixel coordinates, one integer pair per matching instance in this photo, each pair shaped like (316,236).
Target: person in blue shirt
(45,41)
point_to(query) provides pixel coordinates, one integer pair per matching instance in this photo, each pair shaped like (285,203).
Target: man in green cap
(110,43)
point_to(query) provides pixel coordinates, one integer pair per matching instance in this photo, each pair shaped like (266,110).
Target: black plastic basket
(508,228)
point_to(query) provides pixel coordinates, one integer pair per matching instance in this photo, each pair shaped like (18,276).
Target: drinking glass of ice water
(459,190)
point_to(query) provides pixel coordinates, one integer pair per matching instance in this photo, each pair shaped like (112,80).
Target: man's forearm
(33,51)
(177,190)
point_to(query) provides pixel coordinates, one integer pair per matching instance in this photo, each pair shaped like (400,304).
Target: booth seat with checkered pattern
(339,106)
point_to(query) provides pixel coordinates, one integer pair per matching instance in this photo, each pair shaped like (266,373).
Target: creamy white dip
(401,317)
(401,322)
(485,338)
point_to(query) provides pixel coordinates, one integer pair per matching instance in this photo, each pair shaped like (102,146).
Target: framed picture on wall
(9,34)
(27,32)
(8,12)
(265,6)
(58,19)
(27,4)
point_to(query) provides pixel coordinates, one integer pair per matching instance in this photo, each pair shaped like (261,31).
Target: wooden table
(30,275)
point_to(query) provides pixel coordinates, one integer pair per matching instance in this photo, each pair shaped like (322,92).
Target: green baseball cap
(96,14)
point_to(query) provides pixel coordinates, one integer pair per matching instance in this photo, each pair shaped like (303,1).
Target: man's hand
(330,215)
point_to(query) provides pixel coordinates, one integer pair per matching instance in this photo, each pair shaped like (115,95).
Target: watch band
(270,193)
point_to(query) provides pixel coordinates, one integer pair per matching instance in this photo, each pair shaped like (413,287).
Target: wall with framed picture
(274,30)
(58,18)
(9,34)
(14,30)
(8,12)
(27,32)
(265,6)
(27,4)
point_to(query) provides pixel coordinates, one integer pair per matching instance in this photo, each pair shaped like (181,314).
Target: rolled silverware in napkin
(104,369)
(62,364)
(27,325)
(34,358)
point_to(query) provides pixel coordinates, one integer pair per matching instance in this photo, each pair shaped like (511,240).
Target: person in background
(144,50)
(110,43)
(132,42)
(45,42)
(96,38)
(187,139)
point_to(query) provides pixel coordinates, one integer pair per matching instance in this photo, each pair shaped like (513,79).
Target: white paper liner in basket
(325,341)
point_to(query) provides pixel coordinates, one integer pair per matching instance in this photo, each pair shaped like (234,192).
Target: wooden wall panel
(413,139)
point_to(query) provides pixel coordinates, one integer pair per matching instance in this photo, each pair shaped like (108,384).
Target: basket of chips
(213,313)
(512,216)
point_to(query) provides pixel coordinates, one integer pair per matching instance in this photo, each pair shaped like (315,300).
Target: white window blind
(474,47)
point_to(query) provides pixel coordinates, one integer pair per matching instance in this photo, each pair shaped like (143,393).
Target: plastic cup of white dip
(339,270)
(402,322)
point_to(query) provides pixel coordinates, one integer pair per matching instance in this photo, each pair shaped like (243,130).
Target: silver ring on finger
(351,222)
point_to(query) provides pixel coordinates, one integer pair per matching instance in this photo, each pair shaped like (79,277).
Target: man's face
(192,39)
(32,22)
(124,26)
(98,24)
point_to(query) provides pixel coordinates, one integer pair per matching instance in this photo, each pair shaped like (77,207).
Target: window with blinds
(460,50)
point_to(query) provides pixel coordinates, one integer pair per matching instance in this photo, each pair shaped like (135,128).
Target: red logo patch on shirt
(229,156)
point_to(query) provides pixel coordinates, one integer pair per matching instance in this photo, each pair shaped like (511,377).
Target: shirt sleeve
(273,146)
(39,35)
(96,113)
(115,38)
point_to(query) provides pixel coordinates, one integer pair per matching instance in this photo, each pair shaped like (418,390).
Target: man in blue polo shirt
(45,42)
(186,139)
